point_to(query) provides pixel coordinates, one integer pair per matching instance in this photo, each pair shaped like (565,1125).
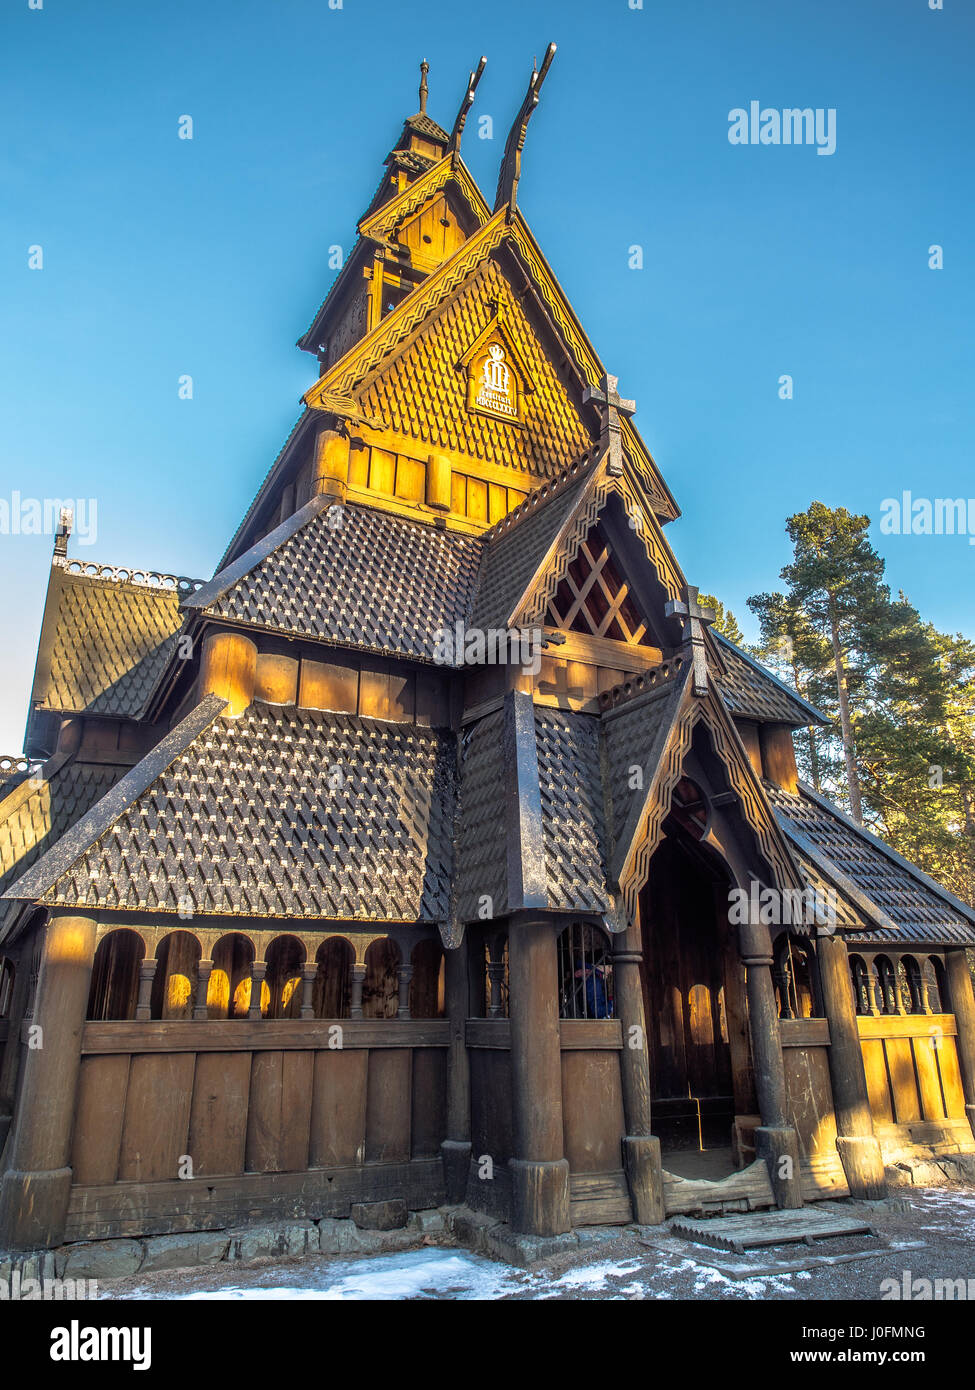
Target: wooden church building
(405,857)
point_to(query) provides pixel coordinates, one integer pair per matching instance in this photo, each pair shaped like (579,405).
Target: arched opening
(794,977)
(177,974)
(229,989)
(380,988)
(694,991)
(886,985)
(915,984)
(861,985)
(427,984)
(585,972)
(281,995)
(332,994)
(114,991)
(934,973)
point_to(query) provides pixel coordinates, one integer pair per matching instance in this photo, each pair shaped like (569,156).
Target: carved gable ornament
(497,379)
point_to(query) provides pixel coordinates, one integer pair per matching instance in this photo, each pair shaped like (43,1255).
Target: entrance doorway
(694,999)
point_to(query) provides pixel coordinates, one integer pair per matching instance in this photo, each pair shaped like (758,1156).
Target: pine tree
(725,621)
(836,581)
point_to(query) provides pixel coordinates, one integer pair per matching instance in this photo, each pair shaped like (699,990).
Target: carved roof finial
(465,106)
(511,163)
(65,522)
(424,89)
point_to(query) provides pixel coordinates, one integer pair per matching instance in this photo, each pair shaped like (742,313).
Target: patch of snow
(420,1274)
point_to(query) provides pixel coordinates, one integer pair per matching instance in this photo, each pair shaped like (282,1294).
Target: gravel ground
(633,1264)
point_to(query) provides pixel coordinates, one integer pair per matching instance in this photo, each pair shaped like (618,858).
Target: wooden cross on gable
(694,621)
(611,438)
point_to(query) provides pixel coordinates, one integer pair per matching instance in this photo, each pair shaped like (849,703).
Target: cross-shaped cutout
(611,438)
(694,620)
(561,688)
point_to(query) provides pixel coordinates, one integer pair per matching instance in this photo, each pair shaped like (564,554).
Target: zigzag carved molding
(653,548)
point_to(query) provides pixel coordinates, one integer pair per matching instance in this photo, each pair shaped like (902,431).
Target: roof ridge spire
(424,87)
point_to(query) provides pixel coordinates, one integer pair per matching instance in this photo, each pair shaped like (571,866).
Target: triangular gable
(533,604)
(669,742)
(450,176)
(365,359)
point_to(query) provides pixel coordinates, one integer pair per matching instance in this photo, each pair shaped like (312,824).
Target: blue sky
(208,257)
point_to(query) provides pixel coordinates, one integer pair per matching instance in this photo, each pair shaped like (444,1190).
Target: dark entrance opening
(694,1004)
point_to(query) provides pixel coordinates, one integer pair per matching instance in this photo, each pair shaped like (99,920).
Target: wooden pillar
(641,1149)
(147,973)
(776,1139)
(309,973)
(858,1147)
(405,973)
(495,975)
(258,972)
(539,1169)
(36,1187)
(358,979)
(200,1010)
(455,1151)
(962,1003)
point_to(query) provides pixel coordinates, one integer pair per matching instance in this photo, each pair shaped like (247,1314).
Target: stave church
(421,857)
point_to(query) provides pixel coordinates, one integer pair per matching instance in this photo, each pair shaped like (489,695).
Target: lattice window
(585,973)
(593,597)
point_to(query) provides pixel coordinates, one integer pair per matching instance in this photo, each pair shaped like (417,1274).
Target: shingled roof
(37,811)
(352,575)
(515,548)
(279,813)
(104,642)
(752,692)
(900,905)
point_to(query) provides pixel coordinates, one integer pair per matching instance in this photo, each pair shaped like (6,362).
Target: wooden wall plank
(878,1089)
(592,1111)
(491,1116)
(900,1068)
(102,1085)
(338,1114)
(932,1105)
(810,1099)
(279,1112)
(388,1106)
(327,686)
(429,1123)
(218,1116)
(954,1095)
(157,1116)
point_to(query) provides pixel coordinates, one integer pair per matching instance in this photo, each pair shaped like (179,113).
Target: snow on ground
(427,1273)
(931,1234)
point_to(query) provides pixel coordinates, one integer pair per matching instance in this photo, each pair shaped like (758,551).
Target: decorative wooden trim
(390,215)
(263,1035)
(533,604)
(907,1026)
(804,1032)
